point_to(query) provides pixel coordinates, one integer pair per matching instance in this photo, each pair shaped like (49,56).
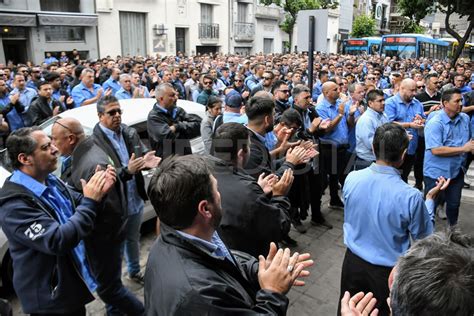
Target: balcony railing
(244,31)
(208,31)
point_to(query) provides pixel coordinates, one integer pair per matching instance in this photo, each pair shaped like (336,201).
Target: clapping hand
(358,305)
(441,185)
(151,161)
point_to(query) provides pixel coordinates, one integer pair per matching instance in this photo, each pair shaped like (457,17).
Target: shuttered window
(133,33)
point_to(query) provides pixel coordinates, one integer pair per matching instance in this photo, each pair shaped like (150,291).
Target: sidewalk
(321,293)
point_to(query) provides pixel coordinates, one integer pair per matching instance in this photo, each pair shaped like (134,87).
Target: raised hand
(151,161)
(267,182)
(284,184)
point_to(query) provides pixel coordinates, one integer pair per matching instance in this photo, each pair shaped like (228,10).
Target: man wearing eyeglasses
(119,220)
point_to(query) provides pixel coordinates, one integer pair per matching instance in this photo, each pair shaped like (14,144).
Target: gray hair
(124,76)
(299,88)
(86,70)
(104,101)
(435,277)
(352,87)
(161,89)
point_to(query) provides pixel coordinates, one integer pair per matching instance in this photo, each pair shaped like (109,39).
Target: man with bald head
(404,109)
(66,134)
(335,142)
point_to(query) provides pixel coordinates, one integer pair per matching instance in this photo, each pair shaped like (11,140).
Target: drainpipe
(231,19)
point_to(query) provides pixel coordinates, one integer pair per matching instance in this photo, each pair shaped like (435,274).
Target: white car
(135,113)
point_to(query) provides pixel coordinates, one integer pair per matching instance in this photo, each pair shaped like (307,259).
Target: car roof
(135,111)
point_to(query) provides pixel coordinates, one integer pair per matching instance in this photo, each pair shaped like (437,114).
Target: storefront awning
(70,20)
(15,19)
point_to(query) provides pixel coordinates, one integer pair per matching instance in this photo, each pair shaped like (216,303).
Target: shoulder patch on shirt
(34,231)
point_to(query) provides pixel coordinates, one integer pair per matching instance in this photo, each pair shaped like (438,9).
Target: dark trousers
(334,166)
(418,164)
(406,166)
(452,196)
(360,164)
(359,275)
(306,191)
(79,312)
(105,260)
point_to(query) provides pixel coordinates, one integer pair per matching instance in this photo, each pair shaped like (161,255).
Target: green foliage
(413,27)
(363,25)
(416,10)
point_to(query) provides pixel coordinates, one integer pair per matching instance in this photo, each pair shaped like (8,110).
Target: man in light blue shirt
(407,111)
(382,214)
(354,109)
(87,92)
(21,98)
(112,83)
(126,90)
(448,138)
(335,141)
(372,118)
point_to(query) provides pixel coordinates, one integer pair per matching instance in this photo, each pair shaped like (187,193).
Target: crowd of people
(273,143)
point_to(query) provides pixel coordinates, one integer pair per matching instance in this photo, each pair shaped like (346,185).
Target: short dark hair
(177,187)
(229,139)
(291,116)
(42,83)
(51,76)
(104,101)
(78,70)
(431,75)
(21,141)
(435,277)
(258,107)
(373,94)
(322,73)
(213,101)
(448,94)
(299,88)
(390,140)
(277,84)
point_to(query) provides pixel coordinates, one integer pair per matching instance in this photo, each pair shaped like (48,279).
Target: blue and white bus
(413,46)
(360,46)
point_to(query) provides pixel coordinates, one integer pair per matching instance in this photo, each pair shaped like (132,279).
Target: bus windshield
(403,47)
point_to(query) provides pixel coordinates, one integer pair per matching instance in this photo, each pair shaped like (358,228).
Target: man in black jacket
(44,106)
(45,223)
(170,128)
(260,112)
(190,271)
(250,223)
(120,218)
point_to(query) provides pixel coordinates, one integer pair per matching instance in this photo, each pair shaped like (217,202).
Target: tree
(292,7)
(413,27)
(363,25)
(418,9)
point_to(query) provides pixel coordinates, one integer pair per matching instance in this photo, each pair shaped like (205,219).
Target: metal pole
(311,52)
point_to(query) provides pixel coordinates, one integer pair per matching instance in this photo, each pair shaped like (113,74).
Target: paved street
(320,295)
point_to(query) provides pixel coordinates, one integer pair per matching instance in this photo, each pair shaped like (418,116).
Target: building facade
(31,28)
(381,10)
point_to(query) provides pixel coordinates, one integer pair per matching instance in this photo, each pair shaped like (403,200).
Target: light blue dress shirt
(399,111)
(340,134)
(216,246)
(365,131)
(230,117)
(26,96)
(352,132)
(50,195)
(123,94)
(81,93)
(134,201)
(441,131)
(382,213)
(114,85)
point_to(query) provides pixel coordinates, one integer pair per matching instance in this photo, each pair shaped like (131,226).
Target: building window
(206,13)
(64,33)
(60,5)
(242,12)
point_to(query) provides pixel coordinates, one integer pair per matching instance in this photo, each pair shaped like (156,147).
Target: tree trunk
(461,40)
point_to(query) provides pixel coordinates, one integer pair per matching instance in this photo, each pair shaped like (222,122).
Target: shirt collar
(446,119)
(208,245)
(260,137)
(384,169)
(110,133)
(38,188)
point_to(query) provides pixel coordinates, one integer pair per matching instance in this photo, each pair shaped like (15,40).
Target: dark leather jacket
(184,278)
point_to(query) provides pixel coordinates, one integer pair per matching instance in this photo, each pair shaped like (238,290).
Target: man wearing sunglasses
(119,219)
(207,91)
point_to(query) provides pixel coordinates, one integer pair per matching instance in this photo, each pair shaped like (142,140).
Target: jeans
(452,196)
(105,261)
(334,164)
(407,166)
(132,243)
